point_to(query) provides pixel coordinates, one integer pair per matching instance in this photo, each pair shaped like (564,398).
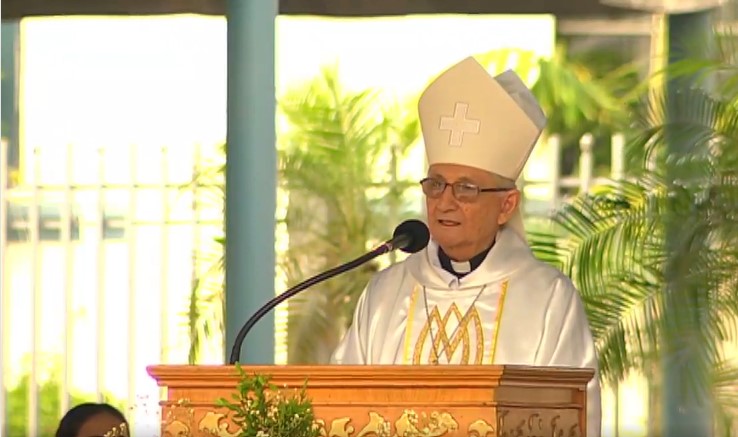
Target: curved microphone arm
(384,248)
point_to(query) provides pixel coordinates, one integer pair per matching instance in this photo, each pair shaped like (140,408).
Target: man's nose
(447,201)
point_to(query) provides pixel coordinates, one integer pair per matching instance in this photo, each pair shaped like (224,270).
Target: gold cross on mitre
(459,124)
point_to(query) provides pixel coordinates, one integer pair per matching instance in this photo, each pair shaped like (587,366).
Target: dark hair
(71,423)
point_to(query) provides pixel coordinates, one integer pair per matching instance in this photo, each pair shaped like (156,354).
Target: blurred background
(113,196)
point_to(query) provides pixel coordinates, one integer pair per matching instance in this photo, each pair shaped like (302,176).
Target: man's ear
(509,205)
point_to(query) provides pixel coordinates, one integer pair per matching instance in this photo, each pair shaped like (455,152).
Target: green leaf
(655,256)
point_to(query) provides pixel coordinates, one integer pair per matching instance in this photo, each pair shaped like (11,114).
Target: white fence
(545,193)
(97,265)
(99,254)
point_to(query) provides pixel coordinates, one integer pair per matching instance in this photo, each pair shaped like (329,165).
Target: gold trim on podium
(391,401)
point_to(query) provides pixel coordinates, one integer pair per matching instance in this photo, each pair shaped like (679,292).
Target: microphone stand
(399,241)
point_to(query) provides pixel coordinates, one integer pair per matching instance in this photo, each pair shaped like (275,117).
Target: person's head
(466,207)
(93,420)
(478,132)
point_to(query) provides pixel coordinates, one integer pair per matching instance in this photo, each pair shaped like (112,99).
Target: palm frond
(655,255)
(339,200)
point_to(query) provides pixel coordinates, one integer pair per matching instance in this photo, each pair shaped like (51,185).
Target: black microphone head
(417,234)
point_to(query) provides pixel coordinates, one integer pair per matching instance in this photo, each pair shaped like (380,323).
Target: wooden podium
(377,401)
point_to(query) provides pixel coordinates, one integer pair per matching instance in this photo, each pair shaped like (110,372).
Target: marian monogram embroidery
(460,336)
(469,334)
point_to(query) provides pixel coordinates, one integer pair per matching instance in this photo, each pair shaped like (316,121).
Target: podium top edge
(297,374)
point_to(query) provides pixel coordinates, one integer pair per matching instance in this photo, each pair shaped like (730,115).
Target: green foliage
(333,157)
(205,314)
(655,256)
(333,162)
(590,93)
(49,405)
(576,100)
(260,409)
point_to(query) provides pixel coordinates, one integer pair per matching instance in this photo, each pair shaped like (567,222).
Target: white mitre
(470,118)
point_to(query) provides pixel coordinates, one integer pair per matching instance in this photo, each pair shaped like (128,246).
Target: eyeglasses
(462,191)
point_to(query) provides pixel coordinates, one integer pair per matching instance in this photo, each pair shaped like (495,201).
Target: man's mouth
(448,223)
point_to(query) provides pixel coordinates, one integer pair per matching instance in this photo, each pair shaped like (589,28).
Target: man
(477,280)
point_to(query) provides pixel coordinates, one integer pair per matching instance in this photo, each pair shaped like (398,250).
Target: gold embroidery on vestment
(409,331)
(460,336)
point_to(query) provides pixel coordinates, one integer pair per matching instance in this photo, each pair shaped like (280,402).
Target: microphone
(410,236)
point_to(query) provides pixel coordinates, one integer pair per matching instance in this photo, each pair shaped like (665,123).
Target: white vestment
(512,309)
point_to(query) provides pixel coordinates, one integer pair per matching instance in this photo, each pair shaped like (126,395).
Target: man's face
(465,227)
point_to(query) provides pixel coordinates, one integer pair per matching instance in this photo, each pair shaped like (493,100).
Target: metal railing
(89,244)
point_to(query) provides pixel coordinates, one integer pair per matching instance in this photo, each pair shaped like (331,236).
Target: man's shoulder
(549,271)
(392,273)
(533,277)
(543,292)
(386,287)
(546,278)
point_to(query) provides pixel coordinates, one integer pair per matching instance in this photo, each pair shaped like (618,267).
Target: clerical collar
(463,268)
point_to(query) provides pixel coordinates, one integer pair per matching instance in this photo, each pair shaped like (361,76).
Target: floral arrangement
(260,409)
